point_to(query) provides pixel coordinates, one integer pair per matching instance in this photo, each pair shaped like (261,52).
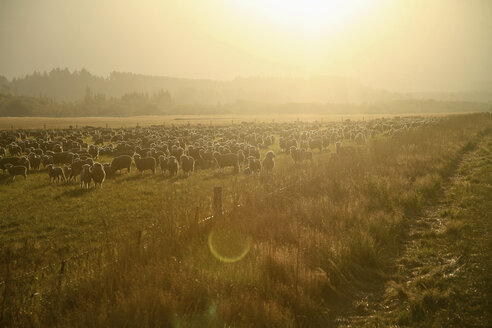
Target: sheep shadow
(221,175)
(73,193)
(176,178)
(5,178)
(132,177)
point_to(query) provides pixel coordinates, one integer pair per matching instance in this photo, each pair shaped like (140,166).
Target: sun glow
(312,16)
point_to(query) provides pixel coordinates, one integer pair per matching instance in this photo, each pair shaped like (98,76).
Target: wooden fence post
(61,273)
(217,201)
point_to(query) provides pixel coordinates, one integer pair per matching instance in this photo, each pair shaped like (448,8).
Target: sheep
(177,151)
(55,173)
(241,157)
(98,174)
(16,170)
(75,169)
(143,164)
(360,138)
(35,162)
(163,163)
(15,150)
(294,154)
(299,155)
(316,143)
(195,153)
(57,148)
(225,160)
(172,165)
(15,161)
(67,170)
(254,165)
(94,151)
(269,161)
(63,157)
(85,176)
(290,143)
(285,143)
(253,151)
(187,164)
(107,169)
(46,160)
(121,162)
(338,147)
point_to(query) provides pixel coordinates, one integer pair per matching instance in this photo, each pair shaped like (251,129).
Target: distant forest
(63,85)
(135,104)
(79,93)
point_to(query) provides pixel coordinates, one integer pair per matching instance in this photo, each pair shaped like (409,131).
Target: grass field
(131,121)
(131,253)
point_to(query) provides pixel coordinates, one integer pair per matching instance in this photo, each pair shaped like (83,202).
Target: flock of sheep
(68,154)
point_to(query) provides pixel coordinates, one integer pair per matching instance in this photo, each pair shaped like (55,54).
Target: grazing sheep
(55,173)
(75,169)
(163,163)
(98,174)
(67,170)
(269,161)
(47,160)
(16,170)
(63,157)
(254,165)
(338,147)
(177,151)
(225,160)
(195,153)
(285,144)
(38,151)
(35,162)
(253,151)
(94,151)
(14,161)
(172,165)
(107,169)
(241,157)
(299,155)
(15,150)
(85,176)
(316,144)
(187,164)
(143,164)
(360,138)
(294,154)
(121,162)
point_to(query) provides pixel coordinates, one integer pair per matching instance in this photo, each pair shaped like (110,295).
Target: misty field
(391,228)
(149,120)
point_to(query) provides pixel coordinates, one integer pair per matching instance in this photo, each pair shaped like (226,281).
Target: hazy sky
(403,45)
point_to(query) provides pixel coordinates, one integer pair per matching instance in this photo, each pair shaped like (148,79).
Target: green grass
(313,249)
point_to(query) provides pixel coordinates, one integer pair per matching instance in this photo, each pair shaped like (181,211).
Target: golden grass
(131,121)
(313,247)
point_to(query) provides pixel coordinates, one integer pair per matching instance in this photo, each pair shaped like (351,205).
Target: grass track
(442,279)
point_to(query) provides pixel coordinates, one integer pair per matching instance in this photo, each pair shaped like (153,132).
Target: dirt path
(442,278)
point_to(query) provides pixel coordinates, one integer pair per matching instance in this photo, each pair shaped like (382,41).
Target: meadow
(305,247)
(148,120)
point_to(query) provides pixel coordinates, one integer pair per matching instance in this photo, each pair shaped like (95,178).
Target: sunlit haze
(396,45)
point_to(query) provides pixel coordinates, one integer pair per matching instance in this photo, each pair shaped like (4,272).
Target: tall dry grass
(311,248)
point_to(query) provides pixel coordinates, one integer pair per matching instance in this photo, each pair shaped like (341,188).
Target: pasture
(148,120)
(299,246)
